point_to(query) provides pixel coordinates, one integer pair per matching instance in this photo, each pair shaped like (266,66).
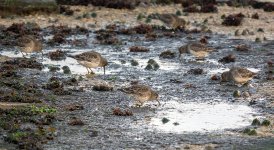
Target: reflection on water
(201,117)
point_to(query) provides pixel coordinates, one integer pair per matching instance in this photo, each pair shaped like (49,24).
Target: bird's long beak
(104,70)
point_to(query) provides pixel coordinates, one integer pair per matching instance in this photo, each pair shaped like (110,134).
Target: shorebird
(90,60)
(141,93)
(199,50)
(29,44)
(172,21)
(237,75)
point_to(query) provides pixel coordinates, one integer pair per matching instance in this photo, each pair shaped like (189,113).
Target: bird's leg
(42,55)
(87,70)
(91,72)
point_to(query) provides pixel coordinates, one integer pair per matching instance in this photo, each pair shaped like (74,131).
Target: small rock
(165,120)
(134,62)
(260,30)
(258,40)
(256,122)
(149,67)
(66,70)
(237,93)
(176,123)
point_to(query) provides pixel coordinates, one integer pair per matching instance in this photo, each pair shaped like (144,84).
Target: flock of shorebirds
(143,93)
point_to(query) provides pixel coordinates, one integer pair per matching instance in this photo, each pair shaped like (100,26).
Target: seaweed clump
(233,20)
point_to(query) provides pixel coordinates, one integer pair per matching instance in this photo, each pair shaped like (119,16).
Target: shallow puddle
(201,117)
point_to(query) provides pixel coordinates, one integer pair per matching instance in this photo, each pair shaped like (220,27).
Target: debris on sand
(242,48)
(138,49)
(233,20)
(74,106)
(228,59)
(57,55)
(196,71)
(102,87)
(74,121)
(168,54)
(119,112)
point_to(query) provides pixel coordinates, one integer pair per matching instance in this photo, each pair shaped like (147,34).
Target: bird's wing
(88,56)
(24,41)
(137,90)
(166,18)
(245,73)
(198,47)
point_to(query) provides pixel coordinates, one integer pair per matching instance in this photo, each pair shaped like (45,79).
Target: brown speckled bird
(199,50)
(238,75)
(141,93)
(90,60)
(29,44)
(172,21)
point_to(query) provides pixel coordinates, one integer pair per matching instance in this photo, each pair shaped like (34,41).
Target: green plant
(43,109)
(266,123)
(16,136)
(148,20)
(256,122)
(140,16)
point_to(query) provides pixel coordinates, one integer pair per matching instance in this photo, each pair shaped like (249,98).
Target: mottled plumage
(172,21)
(141,93)
(29,44)
(238,75)
(197,49)
(90,60)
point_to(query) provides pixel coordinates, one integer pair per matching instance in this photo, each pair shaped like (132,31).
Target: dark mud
(102,129)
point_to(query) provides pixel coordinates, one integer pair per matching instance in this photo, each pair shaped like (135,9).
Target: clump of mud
(242,48)
(102,87)
(119,112)
(138,49)
(228,59)
(24,63)
(196,71)
(74,121)
(233,20)
(56,86)
(57,55)
(107,37)
(10,34)
(168,54)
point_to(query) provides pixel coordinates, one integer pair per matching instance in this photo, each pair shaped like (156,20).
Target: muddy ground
(85,119)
